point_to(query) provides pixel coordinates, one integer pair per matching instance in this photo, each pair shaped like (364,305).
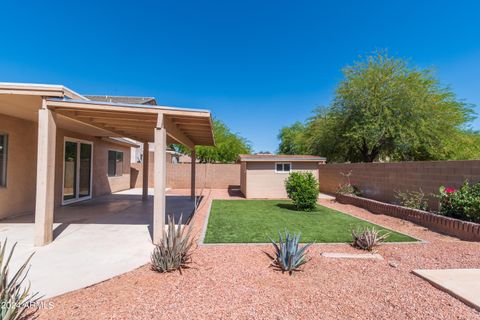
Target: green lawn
(250,221)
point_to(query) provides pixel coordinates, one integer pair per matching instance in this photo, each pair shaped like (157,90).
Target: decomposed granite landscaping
(252,221)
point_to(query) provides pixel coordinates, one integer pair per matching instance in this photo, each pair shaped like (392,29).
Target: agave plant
(15,297)
(288,256)
(367,239)
(175,250)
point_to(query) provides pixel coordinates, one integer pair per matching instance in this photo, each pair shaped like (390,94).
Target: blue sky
(258,65)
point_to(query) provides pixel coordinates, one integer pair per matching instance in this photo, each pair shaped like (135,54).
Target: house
(58,147)
(263,176)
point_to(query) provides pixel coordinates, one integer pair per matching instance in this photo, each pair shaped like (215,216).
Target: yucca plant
(175,250)
(288,255)
(367,239)
(15,298)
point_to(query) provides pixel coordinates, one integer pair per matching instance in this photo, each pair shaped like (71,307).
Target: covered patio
(59,111)
(113,233)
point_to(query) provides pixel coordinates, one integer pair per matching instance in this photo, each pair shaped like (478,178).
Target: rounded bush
(302,189)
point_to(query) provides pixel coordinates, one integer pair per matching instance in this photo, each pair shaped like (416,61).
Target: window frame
(108,162)
(3,184)
(283,167)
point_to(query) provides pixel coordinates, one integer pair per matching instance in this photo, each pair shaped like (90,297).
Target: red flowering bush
(462,203)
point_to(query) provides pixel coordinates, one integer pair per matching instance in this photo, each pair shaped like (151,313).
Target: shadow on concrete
(113,209)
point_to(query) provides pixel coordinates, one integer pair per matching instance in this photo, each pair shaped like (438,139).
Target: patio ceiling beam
(113,131)
(195,124)
(77,106)
(116,116)
(174,132)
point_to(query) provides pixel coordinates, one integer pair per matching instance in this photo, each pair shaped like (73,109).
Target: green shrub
(15,299)
(302,189)
(175,250)
(463,203)
(348,189)
(413,199)
(367,239)
(288,256)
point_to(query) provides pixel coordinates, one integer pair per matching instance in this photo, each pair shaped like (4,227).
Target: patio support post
(44,205)
(146,161)
(192,177)
(160,179)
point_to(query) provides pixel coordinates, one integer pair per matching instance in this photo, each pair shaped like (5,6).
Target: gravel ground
(236,282)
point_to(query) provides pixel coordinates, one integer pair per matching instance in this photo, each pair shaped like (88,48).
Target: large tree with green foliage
(228,146)
(386,110)
(292,139)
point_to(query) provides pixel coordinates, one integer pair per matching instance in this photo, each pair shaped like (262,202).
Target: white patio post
(44,205)
(146,161)
(160,180)
(192,177)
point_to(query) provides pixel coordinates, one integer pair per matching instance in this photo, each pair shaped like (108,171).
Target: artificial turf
(252,221)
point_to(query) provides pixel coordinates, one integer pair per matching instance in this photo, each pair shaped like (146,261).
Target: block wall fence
(210,176)
(379,181)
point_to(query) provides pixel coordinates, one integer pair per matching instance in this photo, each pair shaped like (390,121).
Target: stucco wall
(264,183)
(379,181)
(102,184)
(19,195)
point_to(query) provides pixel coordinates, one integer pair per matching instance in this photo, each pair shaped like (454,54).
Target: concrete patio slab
(94,240)
(463,284)
(340,255)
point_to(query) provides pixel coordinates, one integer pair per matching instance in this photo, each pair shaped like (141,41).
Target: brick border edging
(463,230)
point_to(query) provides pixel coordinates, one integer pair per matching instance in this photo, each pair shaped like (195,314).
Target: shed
(262,176)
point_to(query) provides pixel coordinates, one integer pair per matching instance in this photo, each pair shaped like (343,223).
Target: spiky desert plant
(288,255)
(15,298)
(175,250)
(367,239)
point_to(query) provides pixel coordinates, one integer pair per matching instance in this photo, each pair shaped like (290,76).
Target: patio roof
(185,126)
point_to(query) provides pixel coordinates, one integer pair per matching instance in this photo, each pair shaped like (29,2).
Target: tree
(292,139)
(228,146)
(385,110)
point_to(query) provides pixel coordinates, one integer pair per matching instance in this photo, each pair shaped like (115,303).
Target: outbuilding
(262,176)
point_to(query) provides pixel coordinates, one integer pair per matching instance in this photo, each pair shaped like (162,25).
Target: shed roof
(279,157)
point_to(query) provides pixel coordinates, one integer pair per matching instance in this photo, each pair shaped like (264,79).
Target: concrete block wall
(379,181)
(211,176)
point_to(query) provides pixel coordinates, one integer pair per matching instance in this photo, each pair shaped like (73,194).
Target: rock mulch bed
(236,282)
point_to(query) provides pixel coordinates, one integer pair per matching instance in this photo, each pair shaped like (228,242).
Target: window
(283,167)
(3,159)
(115,163)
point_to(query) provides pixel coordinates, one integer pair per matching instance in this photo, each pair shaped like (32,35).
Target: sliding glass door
(77,175)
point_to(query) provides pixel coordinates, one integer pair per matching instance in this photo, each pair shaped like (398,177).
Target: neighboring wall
(263,182)
(379,181)
(212,176)
(18,197)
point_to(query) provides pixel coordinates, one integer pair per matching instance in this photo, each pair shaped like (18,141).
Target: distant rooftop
(123,99)
(279,157)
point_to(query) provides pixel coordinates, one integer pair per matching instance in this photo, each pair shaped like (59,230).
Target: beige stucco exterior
(18,197)
(260,181)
